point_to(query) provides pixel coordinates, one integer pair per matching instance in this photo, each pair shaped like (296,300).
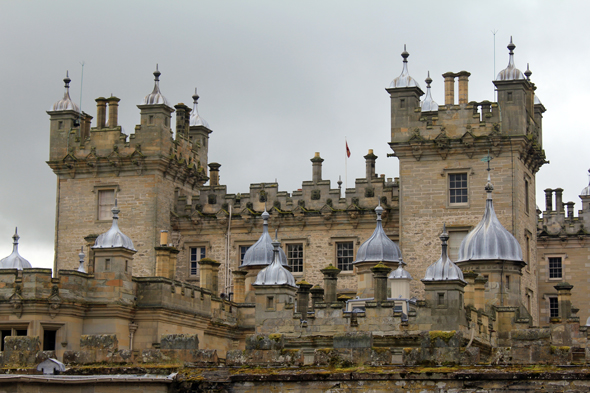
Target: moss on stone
(444,335)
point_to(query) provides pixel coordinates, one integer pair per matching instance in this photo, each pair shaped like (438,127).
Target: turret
(199,131)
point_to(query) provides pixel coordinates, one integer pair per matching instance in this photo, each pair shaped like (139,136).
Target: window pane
(243,250)
(195,255)
(555,270)
(295,257)
(344,255)
(458,188)
(553,307)
(106,201)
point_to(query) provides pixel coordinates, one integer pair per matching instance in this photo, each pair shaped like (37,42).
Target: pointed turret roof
(404,80)
(510,72)
(444,269)
(14,260)
(261,252)
(114,238)
(156,97)
(196,119)
(66,103)
(379,247)
(275,273)
(428,105)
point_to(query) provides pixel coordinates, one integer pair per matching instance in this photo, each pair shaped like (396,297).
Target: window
(243,250)
(487,277)
(526,196)
(402,103)
(509,96)
(107,264)
(457,188)
(441,299)
(344,255)
(553,307)
(270,302)
(295,257)
(151,119)
(456,236)
(555,268)
(195,255)
(49,340)
(106,201)
(60,125)
(508,282)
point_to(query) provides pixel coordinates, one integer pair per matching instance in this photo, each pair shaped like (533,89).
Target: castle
(449,261)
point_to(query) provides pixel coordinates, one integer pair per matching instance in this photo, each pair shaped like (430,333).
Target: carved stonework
(16,301)
(54,302)
(315,195)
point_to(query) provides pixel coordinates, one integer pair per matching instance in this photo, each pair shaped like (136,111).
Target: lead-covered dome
(66,103)
(400,273)
(444,269)
(428,105)
(379,247)
(14,260)
(489,240)
(404,80)
(275,273)
(156,97)
(510,72)
(261,252)
(114,238)
(196,119)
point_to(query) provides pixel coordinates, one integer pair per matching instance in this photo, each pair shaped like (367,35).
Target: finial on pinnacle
(405,54)
(489,187)
(115,210)
(528,72)
(195,96)
(511,46)
(157,74)
(444,236)
(81,255)
(379,211)
(428,80)
(67,79)
(15,237)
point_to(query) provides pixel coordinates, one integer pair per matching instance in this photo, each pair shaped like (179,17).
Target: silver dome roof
(379,247)
(156,97)
(428,105)
(114,238)
(537,101)
(14,260)
(510,72)
(275,273)
(489,239)
(404,80)
(66,103)
(586,190)
(195,119)
(444,269)
(261,252)
(400,273)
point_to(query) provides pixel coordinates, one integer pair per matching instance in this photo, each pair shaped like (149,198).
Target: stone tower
(143,171)
(442,175)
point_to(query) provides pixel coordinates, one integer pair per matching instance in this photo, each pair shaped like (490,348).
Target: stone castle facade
(193,276)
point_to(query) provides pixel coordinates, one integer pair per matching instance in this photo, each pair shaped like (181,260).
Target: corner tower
(440,150)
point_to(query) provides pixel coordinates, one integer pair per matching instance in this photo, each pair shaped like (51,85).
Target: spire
(261,252)
(528,72)
(510,72)
(489,187)
(14,260)
(444,269)
(66,103)
(428,105)
(379,247)
(196,119)
(404,80)
(156,97)
(114,238)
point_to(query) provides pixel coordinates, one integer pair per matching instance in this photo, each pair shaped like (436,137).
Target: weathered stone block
(99,341)
(21,350)
(179,341)
(353,340)
(265,342)
(470,356)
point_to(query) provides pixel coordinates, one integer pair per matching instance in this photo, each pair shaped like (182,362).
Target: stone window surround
(527,192)
(453,171)
(356,241)
(60,332)
(527,253)
(187,246)
(563,259)
(103,187)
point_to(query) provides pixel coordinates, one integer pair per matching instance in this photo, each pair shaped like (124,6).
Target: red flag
(347,150)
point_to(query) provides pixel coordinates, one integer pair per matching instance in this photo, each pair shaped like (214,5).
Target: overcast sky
(278,80)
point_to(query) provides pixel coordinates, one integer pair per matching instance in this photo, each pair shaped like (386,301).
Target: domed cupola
(66,103)
(400,273)
(511,72)
(114,238)
(428,105)
(444,269)
(404,80)
(156,97)
(379,247)
(275,273)
(14,260)
(489,240)
(261,253)
(195,119)
(586,191)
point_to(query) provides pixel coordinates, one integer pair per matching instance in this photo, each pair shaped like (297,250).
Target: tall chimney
(558,200)
(113,111)
(370,159)
(316,170)
(449,88)
(463,90)
(548,200)
(214,174)
(101,112)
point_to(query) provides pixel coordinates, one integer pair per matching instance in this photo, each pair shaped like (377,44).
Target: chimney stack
(316,167)
(449,88)
(101,112)
(214,174)
(113,111)
(463,90)
(370,159)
